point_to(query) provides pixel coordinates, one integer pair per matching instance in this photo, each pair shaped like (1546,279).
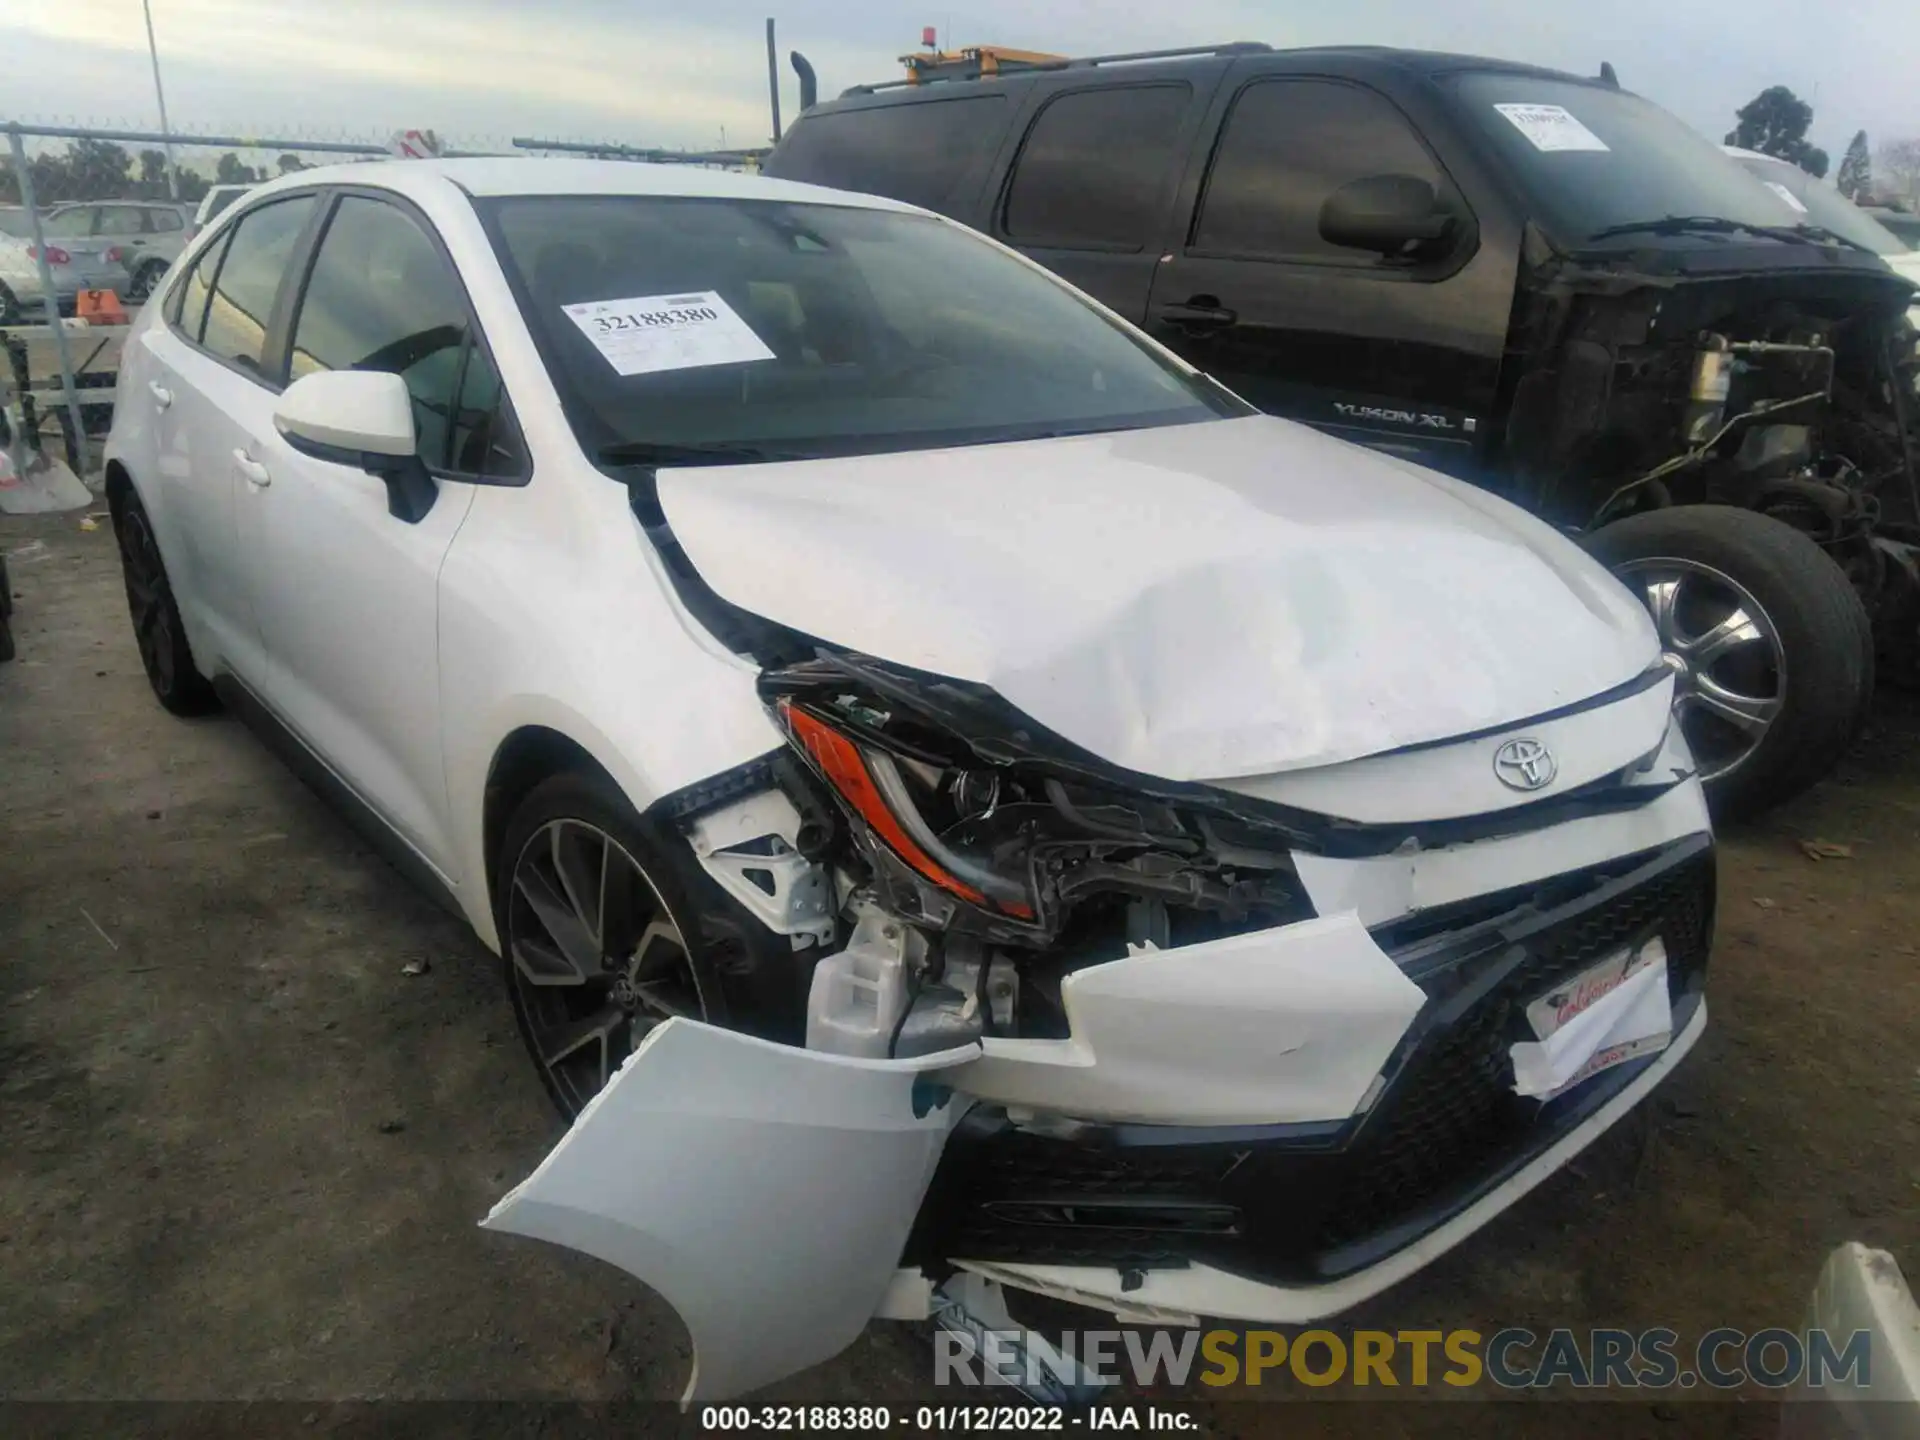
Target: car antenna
(1607,77)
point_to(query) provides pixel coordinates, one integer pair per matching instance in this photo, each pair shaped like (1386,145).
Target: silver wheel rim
(596,957)
(1730,669)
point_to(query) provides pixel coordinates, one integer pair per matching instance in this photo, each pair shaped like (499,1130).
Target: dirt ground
(244,1153)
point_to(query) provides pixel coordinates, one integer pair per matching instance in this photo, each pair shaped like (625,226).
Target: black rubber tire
(177,683)
(9,307)
(140,287)
(1825,636)
(741,968)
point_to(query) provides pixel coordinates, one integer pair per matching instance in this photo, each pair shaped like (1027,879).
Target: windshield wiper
(655,452)
(1709,225)
(1833,237)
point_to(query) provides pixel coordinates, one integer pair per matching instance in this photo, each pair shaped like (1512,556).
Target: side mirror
(1389,214)
(362,418)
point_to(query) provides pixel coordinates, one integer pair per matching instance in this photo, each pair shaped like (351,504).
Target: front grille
(1292,1206)
(1452,1107)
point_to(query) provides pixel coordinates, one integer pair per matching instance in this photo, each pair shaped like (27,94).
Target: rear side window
(1288,145)
(917,152)
(1093,172)
(187,306)
(165,220)
(249,280)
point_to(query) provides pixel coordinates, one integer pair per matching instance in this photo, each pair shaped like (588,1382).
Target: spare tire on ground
(1772,648)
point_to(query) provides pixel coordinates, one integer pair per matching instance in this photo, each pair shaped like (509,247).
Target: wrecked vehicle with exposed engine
(1541,283)
(967,806)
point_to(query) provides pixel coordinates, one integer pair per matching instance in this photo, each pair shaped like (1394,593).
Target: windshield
(1805,200)
(1591,157)
(761,330)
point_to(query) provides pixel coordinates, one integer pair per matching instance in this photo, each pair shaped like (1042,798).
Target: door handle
(256,474)
(1197,317)
(162,397)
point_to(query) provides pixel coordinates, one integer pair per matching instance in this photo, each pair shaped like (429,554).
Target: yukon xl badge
(1524,765)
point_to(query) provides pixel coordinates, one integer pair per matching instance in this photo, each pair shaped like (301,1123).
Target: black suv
(1538,282)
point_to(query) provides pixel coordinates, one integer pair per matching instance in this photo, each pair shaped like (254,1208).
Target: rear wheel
(157,630)
(9,307)
(1770,646)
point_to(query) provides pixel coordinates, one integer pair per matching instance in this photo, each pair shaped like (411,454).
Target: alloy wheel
(597,958)
(1730,669)
(147,597)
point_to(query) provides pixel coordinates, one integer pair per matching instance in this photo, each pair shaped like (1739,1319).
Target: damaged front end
(987,862)
(1665,378)
(1075,1030)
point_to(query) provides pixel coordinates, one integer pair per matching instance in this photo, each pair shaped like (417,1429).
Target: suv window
(164,220)
(382,297)
(1288,145)
(249,279)
(1093,171)
(916,152)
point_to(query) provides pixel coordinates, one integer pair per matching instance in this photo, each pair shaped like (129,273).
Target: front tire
(1770,645)
(608,927)
(157,630)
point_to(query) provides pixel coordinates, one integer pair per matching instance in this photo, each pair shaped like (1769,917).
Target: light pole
(153,53)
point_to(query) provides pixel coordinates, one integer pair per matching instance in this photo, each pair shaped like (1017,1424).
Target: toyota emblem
(1525,764)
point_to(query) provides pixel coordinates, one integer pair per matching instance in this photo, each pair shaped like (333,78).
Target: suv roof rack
(976,62)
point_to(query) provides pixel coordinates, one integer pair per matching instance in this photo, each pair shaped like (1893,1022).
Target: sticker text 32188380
(645,334)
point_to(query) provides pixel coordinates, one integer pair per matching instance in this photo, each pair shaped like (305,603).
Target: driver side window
(382,297)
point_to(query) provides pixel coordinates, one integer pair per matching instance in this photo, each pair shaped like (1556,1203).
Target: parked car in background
(969,791)
(119,245)
(213,204)
(21,290)
(1811,200)
(1538,282)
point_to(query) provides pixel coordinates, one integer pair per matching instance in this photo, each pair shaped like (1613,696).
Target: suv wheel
(157,630)
(1771,648)
(608,926)
(9,307)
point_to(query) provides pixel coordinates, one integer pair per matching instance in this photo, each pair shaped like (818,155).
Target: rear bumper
(1291,1221)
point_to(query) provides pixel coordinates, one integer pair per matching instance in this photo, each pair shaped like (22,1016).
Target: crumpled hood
(1195,602)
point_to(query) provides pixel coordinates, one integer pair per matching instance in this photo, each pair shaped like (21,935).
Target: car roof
(1427,62)
(538,175)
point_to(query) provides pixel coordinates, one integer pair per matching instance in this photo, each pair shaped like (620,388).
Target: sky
(641,73)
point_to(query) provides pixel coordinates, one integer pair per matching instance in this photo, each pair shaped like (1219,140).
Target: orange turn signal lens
(839,761)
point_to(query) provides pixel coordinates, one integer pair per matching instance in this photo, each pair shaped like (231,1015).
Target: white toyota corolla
(965,803)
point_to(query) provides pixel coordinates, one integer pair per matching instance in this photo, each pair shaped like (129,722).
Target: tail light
(55,255)
(863,781)
(113,255)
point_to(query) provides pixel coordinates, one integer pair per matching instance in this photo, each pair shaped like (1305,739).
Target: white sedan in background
(966,804)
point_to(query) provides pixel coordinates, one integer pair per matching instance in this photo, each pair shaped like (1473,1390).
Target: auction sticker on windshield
(648,333)
(1551,127)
